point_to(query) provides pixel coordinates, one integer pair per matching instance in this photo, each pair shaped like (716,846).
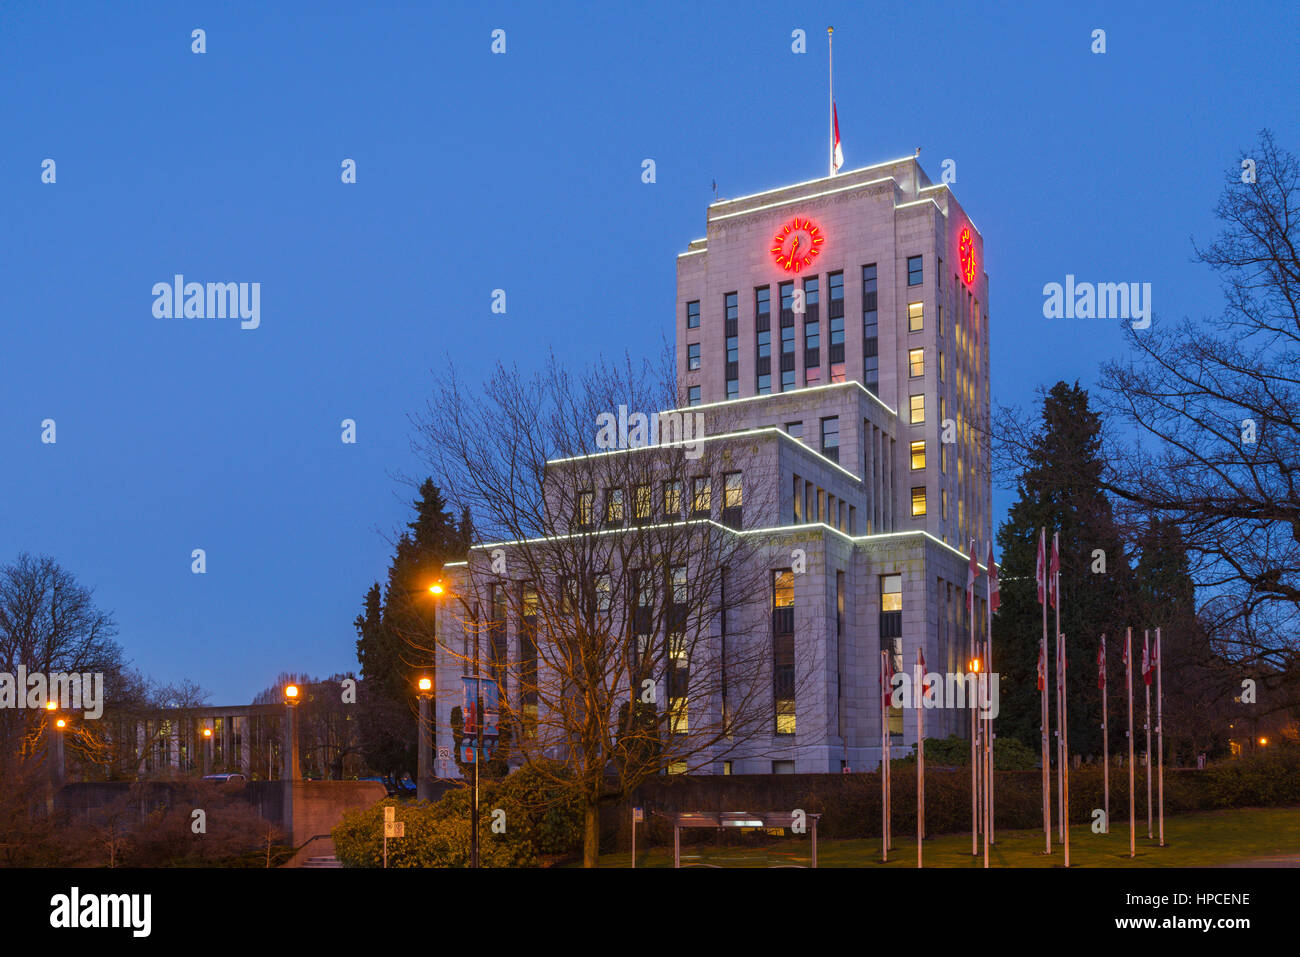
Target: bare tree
(1213,405)
(643,615)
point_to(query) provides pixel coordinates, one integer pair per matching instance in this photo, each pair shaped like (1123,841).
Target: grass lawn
(1212,839)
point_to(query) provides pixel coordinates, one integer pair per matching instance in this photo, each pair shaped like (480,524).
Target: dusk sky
(519,171)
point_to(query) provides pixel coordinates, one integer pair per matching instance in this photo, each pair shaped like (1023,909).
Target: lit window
(918,409)
(916,363)
(641,501)
(783,589)
(732,493)
(891,593)
(785,723)
(918,455)
(918,502)
(586,507)
(673,499)
(677,715)
(700,504)
(915,316)
(614,505)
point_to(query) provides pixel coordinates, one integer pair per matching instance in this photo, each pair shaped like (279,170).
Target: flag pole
(1146,651)
(1065,747)
(1060,704)
(884,765)
(1160,735)
(1128,679)
(988,773)
(988,670)
(920,756)
(1042,677)
(830,89)
(1105,739)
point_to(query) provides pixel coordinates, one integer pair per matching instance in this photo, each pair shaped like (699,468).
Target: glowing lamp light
(291,691)
(426,684)
(1263,741)
(435,589)
(974,665)
(207,732)
(50,705)
(61,723)
(797,244)
(966,255)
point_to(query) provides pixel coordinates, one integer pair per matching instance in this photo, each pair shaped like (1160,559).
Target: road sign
(390,815)
(394,829)
(444,754)
(638,814)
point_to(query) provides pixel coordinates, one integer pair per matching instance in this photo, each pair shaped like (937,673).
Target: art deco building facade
(834,337)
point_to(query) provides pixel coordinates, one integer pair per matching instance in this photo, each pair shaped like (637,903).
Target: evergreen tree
(392,645)
(1059,490)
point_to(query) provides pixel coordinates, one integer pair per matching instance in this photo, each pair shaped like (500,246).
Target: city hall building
(832,336)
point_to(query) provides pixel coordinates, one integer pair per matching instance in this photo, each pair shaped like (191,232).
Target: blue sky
(518,171)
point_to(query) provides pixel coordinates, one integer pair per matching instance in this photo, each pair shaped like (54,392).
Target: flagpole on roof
(830,106)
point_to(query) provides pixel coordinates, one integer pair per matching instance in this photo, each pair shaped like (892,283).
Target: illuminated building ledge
(773,530)
(803,391)
(809,182)
(709,438)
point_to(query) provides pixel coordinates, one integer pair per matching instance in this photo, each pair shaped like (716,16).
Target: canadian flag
(1148,665)
(972,571)
(920,663)
(1040,570)
(887,678)
(995,596)
(1054,572)
(837,157)
(1101,663)
(1042,665)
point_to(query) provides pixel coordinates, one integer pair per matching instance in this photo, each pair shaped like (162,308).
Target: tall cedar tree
(389,661)
(1058,490)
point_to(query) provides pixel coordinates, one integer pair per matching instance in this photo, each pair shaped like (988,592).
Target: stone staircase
(330,861)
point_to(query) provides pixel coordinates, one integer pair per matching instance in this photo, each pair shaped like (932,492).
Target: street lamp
(423,783)
(437,589)
(291,699)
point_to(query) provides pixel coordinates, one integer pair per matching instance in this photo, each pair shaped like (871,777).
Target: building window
(831,437)
(693,395)
(731,305)
(914,272)
(837,372)
(918,501)
(764,343)
(678,581)
(798,500)
(586,509)
(783,651)
(733,388)
(916,363)
(726,767)
(794,429)
(732,499)
(764,385)
(762,301)
(917,409)
(604,592)
(693,315)
(614,506)
(731,317)
(812,339)
(835,283)
(692,356)
(941,366)
(915,316)
(673,499)
(700,505)
(918,455)
(641,503)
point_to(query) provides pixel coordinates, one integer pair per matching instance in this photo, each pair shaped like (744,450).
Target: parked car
(232,778)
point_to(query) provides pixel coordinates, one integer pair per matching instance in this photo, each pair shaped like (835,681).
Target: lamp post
(292,770)
(424,783)
(207,751)
(437,589)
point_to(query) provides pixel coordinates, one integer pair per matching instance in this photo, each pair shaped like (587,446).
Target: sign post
(392,828)
(638,814)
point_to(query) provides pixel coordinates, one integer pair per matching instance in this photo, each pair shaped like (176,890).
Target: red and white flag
(887,679)
(1101,663)
(1148,664)
(1054,572)
(1040,570)
(837,158)
(972,572)
(920,663)
(1042,666)
(995,596)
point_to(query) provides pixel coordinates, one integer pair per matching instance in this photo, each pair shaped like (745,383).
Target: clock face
(966,255)
(797,244)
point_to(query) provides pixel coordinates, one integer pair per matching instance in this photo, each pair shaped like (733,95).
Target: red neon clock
(966,255)
(797,244)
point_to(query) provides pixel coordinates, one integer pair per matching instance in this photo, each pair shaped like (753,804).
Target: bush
(539,819)
(954,752)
